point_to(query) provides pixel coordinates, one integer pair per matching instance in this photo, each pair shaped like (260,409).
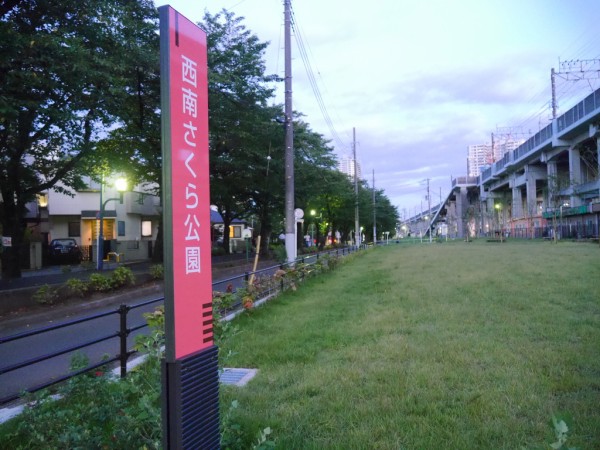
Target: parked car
(64,250)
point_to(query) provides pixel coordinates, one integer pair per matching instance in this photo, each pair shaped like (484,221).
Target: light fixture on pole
(563,204)
(121,186)
(314,216)
(498,207)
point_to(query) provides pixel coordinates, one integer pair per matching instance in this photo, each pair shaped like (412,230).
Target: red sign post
(190,353)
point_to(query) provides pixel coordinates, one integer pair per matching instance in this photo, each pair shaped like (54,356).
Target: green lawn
(454,346)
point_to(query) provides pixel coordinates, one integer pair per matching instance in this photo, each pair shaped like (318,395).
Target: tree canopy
(80,91)
(65,77)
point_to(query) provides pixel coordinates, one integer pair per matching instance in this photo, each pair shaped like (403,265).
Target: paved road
(55,341)
(32,347)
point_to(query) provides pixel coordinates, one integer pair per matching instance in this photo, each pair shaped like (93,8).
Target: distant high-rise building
(479,156)
(483,155)
(346,165)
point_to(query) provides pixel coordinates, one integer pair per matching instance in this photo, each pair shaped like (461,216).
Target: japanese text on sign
(190,108)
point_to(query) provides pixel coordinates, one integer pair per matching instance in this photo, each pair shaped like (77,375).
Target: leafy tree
(313,162)
(557,185)
(335,203)
(238,95)
(64,76)
(386,214)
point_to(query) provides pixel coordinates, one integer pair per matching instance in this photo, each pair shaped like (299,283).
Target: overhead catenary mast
(573,70)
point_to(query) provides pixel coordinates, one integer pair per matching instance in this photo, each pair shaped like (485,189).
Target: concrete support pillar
(531,196)
(461,210)
(552,171)
(517,203)
(574,173)
(598,151)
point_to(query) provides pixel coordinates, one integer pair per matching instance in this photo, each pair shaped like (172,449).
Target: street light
(498,206)
(121,186)
(313,214)
(561,218)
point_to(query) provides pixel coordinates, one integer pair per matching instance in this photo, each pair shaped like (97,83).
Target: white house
(129,226)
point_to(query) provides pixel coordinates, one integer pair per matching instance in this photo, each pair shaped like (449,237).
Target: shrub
(94,412)
(218,251)
(331,261)
(99,283)
(153,342)
(77,287)
(122,276)
(279,253)
(46,295)
(157,271)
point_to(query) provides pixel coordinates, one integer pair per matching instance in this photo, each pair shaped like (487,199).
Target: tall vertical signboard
(190,373)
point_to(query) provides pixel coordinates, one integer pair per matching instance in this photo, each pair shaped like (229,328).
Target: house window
(146,228)
(121,228)
(74,229)
(235,232)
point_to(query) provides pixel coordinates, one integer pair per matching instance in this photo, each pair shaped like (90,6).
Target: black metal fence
(570,230)
(264,280)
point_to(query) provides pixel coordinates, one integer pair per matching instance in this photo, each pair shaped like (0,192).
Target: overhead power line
(569,92)
(313,83)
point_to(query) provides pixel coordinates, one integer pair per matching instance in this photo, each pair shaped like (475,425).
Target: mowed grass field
(429,346)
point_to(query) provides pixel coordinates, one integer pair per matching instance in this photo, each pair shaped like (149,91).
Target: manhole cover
(237,377)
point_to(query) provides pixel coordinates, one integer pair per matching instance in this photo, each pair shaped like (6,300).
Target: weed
(561,431)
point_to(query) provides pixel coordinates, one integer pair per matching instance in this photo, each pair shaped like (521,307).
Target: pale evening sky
(422,80)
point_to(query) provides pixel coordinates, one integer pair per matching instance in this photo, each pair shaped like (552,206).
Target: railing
(538,139)
(464,181)
(590,104)
(122,357)
(265,290)
(576,231)
(587,106)
(486,174)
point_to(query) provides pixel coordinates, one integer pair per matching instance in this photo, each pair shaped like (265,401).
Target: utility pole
(374,213)
(290,218)
(429,213)
(357,236)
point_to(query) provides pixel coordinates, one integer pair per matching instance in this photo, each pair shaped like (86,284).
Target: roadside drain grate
(237,377)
